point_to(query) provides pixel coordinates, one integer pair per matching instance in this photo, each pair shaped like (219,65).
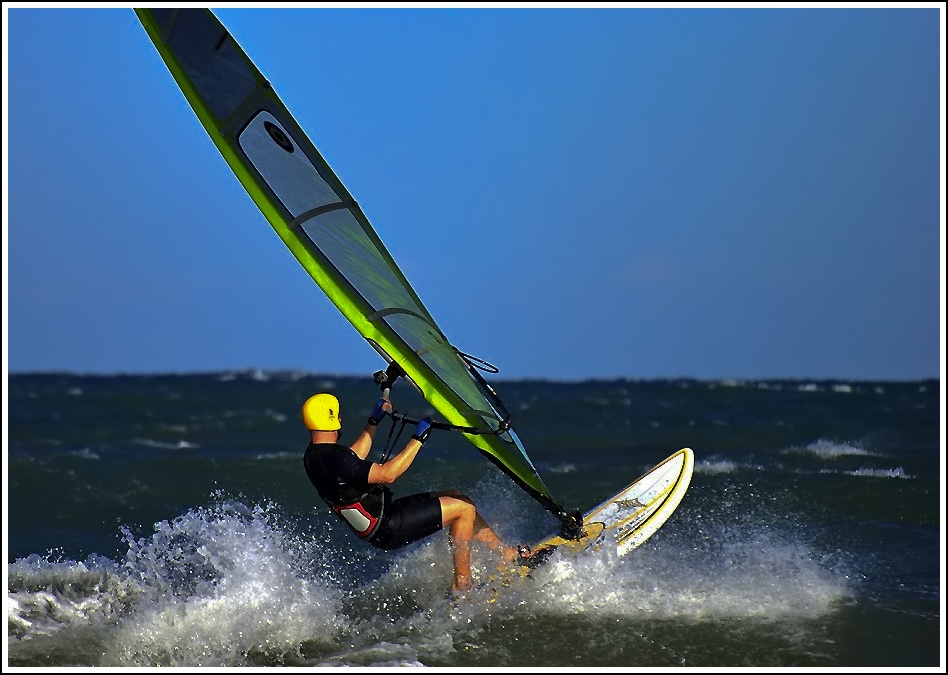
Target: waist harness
(358,514)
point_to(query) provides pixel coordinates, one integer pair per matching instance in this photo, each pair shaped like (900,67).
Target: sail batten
(324,227)
(297,222)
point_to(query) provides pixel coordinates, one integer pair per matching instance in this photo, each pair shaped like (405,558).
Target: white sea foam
(724,573)
(86,453)
(277,455)
(46,596)
(881,473)
(716,466)
(563,467)
(734,576)
(214,587)
(876,473)
(829,449)
(176,445)
(274,415)
(176,428)
(231,585)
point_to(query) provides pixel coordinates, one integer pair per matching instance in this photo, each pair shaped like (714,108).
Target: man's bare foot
(510,553)
(515,554)
(526,557)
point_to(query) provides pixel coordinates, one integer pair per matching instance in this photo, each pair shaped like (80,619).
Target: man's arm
(397,465)
(363,444)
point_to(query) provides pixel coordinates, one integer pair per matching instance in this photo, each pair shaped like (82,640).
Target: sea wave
(86,453)
(165,445)
(716,466)
(564,467)
(898,472)
(46,596)
(213,587)
(828,449)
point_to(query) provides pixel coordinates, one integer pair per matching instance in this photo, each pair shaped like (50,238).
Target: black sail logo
(280,138)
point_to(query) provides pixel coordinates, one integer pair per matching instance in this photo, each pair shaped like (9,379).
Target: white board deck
(631,516)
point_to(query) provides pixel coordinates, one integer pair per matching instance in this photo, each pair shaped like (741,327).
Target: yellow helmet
(321,413)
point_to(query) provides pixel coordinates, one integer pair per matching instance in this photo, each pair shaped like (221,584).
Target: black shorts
(407,520)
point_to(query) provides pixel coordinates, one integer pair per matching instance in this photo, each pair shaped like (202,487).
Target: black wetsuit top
(342,480)
(337,473)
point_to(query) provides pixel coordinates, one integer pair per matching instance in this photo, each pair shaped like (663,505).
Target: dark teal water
(166,520)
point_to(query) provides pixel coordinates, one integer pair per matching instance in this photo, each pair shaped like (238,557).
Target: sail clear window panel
(295,181)
(278,159)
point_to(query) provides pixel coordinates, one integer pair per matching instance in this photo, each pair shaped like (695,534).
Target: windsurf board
(628,518)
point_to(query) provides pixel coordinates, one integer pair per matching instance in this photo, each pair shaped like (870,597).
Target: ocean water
(165,520)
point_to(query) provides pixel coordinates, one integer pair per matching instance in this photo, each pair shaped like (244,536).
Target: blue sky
(607,192)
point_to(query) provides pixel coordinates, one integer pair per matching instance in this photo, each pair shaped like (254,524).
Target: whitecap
(829,449)
(176,445)
(276,416)
(280,455)
(86,453)
(716,466)
(880,473)
(564,467)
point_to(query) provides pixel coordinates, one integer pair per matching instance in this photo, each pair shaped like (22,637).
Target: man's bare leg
(464,523)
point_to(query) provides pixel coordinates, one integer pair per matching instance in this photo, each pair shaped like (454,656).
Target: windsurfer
(356,488)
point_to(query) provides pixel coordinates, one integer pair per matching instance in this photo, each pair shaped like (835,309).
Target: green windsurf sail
(326,230)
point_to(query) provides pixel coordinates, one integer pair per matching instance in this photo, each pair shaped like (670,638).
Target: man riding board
(356,488)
